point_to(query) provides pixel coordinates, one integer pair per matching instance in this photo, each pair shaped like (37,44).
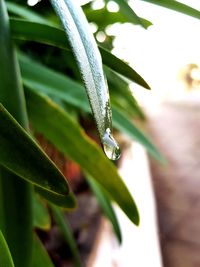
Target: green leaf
(69,138)
(176,6)
(122,68)
(110,17)
(16,194)
(48,81)
(106,206)
(5,256)
(21,155)
(40,255)
(26,30)
(16,206)
(67,234)
(42,79)
(67,202)
(121,123)
(26,13)
(122,95)
(131,16)
(41,217)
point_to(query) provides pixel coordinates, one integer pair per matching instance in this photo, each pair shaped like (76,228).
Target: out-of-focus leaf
(130,15)
(110,17)
(122,68)
(48,81)
(16,194)
(5,256)
(40,256)
(123,124)
(17,148)
(106,206)
(67,234)
(46,34)
(70,139)
(121,94)
(41,217)
(176,6)
(26,13)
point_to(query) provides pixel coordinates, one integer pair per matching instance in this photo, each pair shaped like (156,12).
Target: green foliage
(67,234)
(41,218)
(16,195)
(33,31)
(68,137)
(105,205)
(40,255)
(17,147)
(55,99)
(5,256)
(176,6)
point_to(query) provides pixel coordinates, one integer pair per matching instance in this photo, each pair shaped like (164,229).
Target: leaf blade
(68,236)
(131,16)
(41,217)
(123,124)
(26,13)
(16,195)
(5,256)
(176,6)
(40,255)
(79,148)
(26,30)
(38,169)
(106,206)
(110,17)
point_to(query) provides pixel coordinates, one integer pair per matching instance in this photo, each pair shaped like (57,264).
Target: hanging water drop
(110,146)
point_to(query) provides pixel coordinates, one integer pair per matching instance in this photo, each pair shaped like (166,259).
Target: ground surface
(175,129)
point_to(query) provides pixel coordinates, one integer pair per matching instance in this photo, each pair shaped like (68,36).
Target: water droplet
(111,148)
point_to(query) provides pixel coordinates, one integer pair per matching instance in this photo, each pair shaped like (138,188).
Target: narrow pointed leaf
(106,206)
(46,34)
(42,79)
(67,202)
(122,95)
(21,155)
(123,124)
(176,6)
(48,81)
(122,68)
(96,16)
(67,234)
(40,255)
(70,139)
(41,216)
(16,194)
(131,16)
(26,13)
(5,256)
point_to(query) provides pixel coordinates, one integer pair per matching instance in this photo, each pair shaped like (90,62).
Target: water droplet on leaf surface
(110,146)
(90,65)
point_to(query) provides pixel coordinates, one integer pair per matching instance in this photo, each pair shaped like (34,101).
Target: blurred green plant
(40,85)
